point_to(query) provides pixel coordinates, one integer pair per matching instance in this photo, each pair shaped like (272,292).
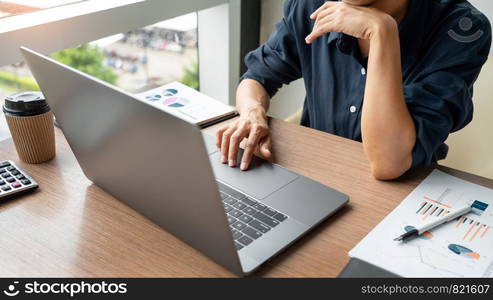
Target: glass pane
(143,58)
(16,7)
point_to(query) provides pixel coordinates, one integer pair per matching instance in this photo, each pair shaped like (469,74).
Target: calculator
(14,181)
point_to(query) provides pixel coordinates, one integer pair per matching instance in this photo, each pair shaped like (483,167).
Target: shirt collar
(411,31)
(412,28)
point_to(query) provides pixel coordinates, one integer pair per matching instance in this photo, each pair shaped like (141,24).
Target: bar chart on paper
(460,248)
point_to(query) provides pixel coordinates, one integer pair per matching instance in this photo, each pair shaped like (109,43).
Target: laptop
(170,172)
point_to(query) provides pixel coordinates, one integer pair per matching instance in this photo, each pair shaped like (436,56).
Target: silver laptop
(167,170)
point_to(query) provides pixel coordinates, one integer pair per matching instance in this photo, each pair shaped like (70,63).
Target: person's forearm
(252,100)
(388,130)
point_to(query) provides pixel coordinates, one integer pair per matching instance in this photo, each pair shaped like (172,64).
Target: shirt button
(363,71)
(352,109)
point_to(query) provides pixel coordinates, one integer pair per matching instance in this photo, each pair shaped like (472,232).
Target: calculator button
(6,188)
(15,172)
(4,164)
(20,176)
(25,181)
(2,170)
(5,175)
(10,179)
(16,185)
(11,168)
(2,182)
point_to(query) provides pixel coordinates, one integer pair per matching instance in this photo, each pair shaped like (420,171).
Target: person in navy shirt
(396,75)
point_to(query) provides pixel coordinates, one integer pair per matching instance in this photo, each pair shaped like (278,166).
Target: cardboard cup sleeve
(34,137)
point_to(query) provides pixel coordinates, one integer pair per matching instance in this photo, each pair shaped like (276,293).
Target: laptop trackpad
(261,179)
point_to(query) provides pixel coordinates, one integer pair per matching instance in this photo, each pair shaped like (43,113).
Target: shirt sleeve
(276,62)
(439,97)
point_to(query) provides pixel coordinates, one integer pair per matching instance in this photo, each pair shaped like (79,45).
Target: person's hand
(357,21)
(252,126)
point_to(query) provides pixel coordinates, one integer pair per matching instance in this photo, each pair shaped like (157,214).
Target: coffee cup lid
(26,104)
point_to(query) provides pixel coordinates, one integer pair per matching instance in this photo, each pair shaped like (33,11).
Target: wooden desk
(70,227)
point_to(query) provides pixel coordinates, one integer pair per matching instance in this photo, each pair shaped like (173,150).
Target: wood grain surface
(70,227)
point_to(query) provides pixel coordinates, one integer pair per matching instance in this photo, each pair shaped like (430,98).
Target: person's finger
(251,144)
(266,147)
(323,14)
(219,136)
(234,145)
(321,8)
(225,144)
(318,31)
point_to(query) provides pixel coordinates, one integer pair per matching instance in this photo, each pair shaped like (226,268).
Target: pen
(418,230)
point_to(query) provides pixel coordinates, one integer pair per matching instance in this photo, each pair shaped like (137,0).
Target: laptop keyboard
(248,219)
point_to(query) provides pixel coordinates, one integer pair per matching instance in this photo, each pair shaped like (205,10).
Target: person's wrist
(255,113)
(383,26)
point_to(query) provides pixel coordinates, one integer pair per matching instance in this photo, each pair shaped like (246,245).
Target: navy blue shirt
(444,44)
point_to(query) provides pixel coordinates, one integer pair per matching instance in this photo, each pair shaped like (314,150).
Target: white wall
(485,6)
(219,50)
(213,27)
(290,98)
(470,148)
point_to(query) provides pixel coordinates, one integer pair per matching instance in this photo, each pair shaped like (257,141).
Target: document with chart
(187,104)
(460,248)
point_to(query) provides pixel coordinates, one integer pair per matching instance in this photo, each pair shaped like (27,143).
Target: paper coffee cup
(30,121)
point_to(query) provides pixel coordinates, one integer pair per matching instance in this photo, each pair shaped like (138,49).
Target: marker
(418,230)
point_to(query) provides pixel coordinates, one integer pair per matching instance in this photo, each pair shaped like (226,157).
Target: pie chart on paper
(153,98)
(463,251)
(176,102)
(170,92)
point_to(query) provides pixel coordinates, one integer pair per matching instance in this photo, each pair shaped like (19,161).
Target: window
(151,56)
(154,55)
(140,59)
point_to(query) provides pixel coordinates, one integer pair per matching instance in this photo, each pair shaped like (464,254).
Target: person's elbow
(390,168)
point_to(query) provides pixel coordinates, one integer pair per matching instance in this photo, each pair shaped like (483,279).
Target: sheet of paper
(460,248)
(185,103)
